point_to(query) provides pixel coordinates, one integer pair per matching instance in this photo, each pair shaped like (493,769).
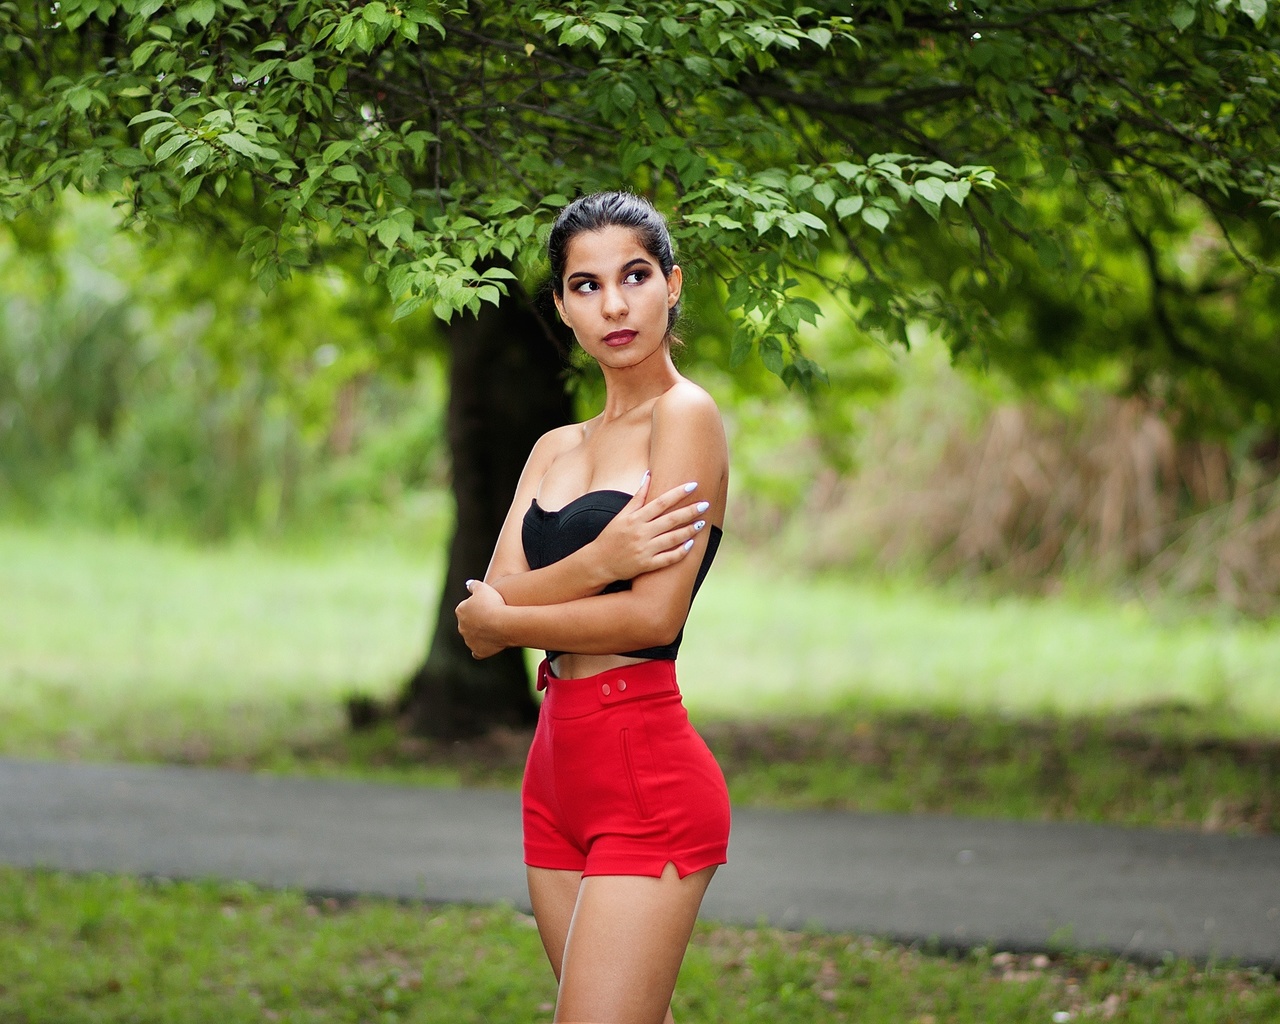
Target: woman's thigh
(554,895)
(625,944)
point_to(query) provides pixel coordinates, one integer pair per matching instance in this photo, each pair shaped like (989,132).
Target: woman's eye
(635,277)
(585,287)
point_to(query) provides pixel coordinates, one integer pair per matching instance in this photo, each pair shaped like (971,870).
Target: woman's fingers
(672,555)
(641,496)
(668,500)
(681,517)
(681,539)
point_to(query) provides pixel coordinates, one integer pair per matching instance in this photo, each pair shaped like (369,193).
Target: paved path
(1139,892)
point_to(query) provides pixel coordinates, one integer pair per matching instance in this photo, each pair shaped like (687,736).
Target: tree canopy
(437,137)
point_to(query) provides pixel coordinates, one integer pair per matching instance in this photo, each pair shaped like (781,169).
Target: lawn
(111,645)
(97,950)
(830,693)
(834,693)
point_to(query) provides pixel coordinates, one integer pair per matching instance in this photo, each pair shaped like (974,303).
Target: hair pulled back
(606,210)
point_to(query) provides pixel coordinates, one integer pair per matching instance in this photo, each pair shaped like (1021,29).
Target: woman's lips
(619,338)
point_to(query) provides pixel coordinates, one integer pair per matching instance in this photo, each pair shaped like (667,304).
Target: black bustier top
(551,536)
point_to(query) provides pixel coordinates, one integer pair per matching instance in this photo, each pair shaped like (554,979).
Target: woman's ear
(675,281)
(560,310)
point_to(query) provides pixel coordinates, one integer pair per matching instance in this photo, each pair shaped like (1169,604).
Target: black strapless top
(551,536)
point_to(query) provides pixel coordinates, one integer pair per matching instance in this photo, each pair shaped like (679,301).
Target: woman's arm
(644,536)
(687,444)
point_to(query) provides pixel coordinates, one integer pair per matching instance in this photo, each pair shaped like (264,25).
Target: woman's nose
(615,303)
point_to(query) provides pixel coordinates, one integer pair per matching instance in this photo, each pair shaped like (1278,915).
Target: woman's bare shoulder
(685,401)
(557,441)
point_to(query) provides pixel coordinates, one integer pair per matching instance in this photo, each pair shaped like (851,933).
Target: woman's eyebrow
(589,275)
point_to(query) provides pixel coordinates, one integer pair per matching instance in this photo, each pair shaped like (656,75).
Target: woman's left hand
(478,619)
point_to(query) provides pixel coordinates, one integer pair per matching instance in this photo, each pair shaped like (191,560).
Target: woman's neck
(629,387)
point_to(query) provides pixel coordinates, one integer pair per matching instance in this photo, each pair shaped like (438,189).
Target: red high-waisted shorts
(617,781)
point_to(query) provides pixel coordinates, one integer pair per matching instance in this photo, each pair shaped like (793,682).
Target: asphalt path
(957,882)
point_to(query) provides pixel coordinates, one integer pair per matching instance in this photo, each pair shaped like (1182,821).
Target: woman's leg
(553,894)
(624,945)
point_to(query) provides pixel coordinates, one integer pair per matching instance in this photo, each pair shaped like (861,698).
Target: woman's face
(615,297)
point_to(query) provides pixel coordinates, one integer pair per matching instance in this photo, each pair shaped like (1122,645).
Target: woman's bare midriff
(578,666)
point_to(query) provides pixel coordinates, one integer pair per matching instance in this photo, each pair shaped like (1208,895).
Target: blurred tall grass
(951,475)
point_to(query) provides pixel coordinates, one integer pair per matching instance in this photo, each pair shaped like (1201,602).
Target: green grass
(104,950)
(825,693)
(812,693)
(764,642)
(91,622)
(119,647)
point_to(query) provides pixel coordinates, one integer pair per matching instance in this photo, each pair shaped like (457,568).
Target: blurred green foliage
(156,386)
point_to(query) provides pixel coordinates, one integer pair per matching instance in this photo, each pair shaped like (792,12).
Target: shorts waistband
(570,698)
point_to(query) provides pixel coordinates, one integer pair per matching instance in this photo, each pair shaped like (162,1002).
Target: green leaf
(821,36)
(623,95)
(237,142)
(335,150)
(129,158)
(79,98)
(771,355)
(1183,15)
(190,189)
(345,172)
(1255,9)
(388,232)
(932,190)
(303,69)
(800,184)
(848,206)
(503,205)
(171,145)
(876,218)
(262,69)
(957,191)
(376,13)
(200,10)
(673,28)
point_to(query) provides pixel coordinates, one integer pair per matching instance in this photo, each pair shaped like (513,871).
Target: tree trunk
(506,389)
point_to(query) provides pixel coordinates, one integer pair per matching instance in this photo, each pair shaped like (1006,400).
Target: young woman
(626,814)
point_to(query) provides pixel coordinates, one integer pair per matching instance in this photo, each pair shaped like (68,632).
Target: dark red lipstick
(619,338)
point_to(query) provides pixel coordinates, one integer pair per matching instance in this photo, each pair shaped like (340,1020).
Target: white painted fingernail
(688,545)
(690,488)
(702,506)
(644,478)
(699,524)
